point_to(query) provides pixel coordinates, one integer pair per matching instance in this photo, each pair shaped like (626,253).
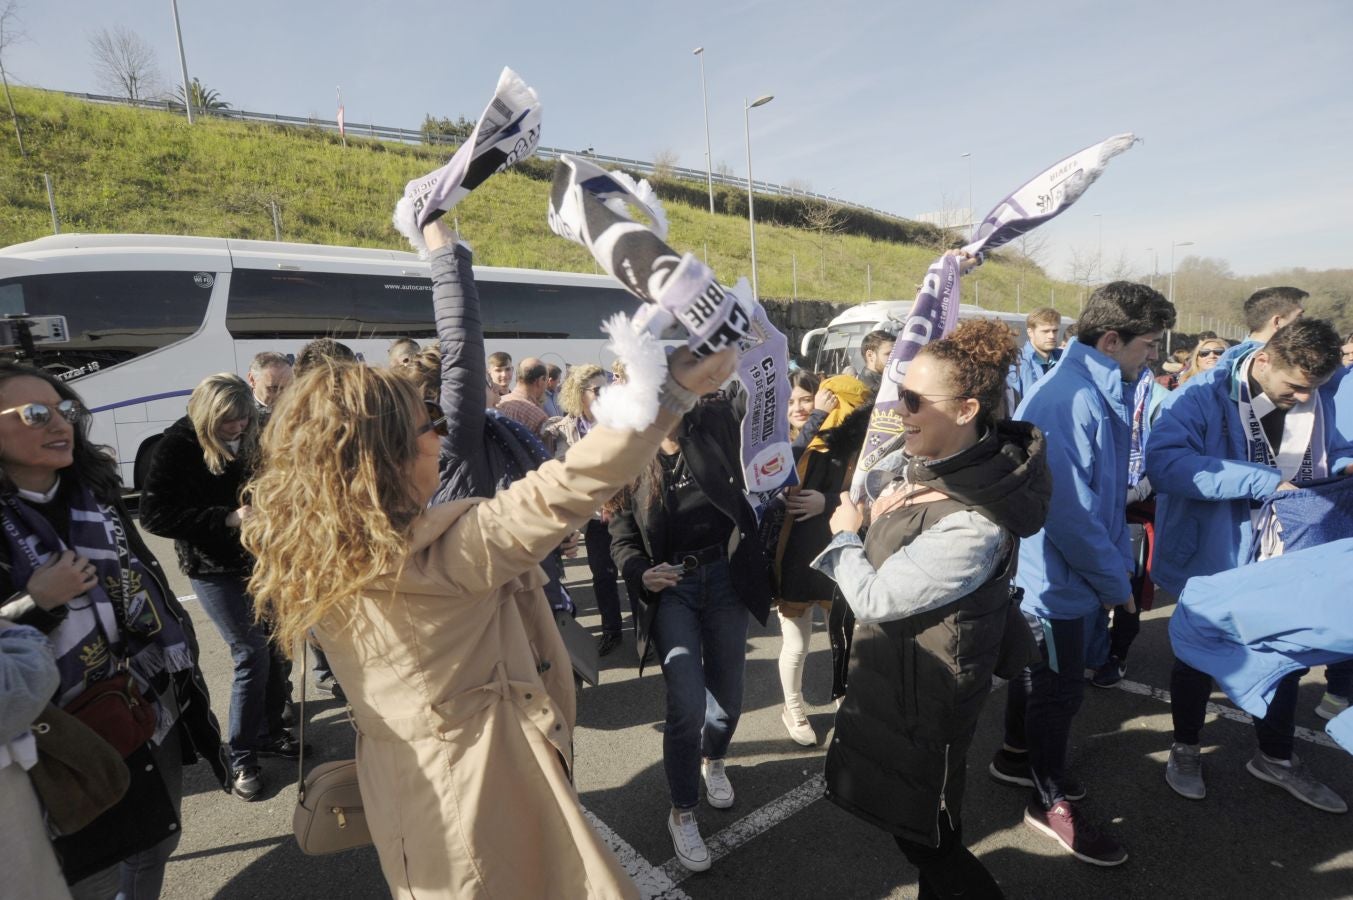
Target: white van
(833,348)
(148,316)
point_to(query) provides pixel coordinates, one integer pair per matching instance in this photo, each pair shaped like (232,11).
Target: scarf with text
(1301,454)
(935,310)
(123,619)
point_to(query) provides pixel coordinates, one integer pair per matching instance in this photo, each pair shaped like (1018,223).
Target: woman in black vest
(930,588)
(685,541)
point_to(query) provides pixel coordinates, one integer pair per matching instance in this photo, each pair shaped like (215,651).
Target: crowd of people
(408,523)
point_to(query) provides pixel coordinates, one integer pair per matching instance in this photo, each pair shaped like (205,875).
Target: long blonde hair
(333,503)
(1192,368)
(223,397)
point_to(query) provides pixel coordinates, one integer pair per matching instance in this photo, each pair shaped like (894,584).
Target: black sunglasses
(1216,351)
(436,421)
(912,400)
(36,415)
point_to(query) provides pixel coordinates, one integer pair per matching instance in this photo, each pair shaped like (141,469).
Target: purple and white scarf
(506,133)
(103,627)
(935,311)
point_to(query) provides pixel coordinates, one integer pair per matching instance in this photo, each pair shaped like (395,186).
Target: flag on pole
(935,311)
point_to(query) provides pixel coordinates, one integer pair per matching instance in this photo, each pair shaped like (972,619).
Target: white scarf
(1301,455)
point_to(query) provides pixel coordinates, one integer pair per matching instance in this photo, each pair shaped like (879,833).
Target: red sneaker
(1085,842)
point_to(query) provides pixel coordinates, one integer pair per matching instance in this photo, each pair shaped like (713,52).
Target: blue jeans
(230,608)
(700,631)
(1044,698)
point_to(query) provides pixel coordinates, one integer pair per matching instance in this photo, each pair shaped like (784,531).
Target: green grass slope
(118,169)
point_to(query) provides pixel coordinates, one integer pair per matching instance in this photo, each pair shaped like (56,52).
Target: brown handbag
(329,816)
(78,776)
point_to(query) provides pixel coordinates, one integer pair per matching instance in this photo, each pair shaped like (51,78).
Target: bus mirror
(808,348)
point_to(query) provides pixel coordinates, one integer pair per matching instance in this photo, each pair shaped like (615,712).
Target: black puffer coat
(918,684)
(184,501)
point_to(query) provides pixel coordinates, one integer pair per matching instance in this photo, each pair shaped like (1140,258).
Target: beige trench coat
(462,692)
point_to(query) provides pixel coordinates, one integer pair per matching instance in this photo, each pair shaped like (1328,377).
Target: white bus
(149,316)
(833,348)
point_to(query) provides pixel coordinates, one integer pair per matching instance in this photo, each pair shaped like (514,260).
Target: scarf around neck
(1301,455)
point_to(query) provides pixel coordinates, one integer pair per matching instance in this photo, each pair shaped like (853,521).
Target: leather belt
(691,560)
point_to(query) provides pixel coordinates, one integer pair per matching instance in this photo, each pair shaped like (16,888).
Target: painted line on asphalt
(653,883)
(756,823)
(187,598)
(1318,738)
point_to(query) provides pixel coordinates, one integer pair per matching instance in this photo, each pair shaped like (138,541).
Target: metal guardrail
(412,136)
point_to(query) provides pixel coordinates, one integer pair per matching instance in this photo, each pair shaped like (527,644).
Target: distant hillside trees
(124,63)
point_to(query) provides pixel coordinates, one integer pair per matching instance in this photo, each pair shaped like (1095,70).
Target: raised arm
(460,335)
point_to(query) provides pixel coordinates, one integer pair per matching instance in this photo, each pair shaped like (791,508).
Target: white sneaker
(718,789)
(690,847)
(796,723)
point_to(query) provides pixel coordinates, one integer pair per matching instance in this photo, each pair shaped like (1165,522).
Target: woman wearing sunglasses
(1205,356)
(930,588)
(436,623)
(194,494)
(73,565)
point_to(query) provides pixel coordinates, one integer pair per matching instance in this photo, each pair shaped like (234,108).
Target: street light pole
(183,62)
(747,108)
(704,97)
(972,213)
(1174,244)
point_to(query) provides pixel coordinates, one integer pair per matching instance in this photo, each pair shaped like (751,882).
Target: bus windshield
(112,316)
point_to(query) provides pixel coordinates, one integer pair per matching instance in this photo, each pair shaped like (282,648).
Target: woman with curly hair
(930,587)
(580,390)
(435,621)
(194,495)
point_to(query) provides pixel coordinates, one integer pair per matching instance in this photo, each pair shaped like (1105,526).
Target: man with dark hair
(522,404)
(321,349)
(1082,559)
(553,377)
(1249,428)
(269,375)
(876,347)
(1269,309)
(1039,353)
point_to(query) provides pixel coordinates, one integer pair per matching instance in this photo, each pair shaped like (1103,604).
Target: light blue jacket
(1196,461)
(1248,628)
(1082,557)
(1029,370)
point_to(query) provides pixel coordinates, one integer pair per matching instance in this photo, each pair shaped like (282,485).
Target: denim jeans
(141,875)
(252,716)
(700,631)
(597,539)
(1339,679)
(949,870)
(1189,692)
(1044,698)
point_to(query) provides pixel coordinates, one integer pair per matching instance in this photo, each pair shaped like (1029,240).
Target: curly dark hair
(94,465)
(978,355)
(1125,307)
(1309,345)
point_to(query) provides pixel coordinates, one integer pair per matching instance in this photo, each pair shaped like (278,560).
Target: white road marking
(756,823)
(654,884)
(187,597)
(1226,712)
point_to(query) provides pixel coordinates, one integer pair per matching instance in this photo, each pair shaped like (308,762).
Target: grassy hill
(118,169)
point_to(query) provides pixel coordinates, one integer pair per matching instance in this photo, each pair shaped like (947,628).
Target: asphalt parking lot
(781,839)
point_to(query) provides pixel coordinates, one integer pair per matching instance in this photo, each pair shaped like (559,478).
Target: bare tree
(124,62)
(10,34)
(664,163)
(824,220)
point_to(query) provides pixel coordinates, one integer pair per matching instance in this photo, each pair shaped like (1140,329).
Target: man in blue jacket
(1251,427)
(1266,310)
(1081,561)
(1039,353)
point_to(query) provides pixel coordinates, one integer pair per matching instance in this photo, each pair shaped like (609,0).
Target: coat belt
(440,719)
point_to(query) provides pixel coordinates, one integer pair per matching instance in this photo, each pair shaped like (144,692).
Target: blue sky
(1245,108)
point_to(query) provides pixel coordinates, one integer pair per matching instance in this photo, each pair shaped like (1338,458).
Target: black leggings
(949,870)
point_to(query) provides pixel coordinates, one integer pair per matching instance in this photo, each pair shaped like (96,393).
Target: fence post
(276,220)
(51,203)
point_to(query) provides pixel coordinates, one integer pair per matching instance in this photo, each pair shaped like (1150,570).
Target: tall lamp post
(1173,244)
(747,108)
(704,97)
(183,63)
(972,213)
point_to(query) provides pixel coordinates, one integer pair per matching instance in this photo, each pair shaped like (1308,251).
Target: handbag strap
(300,760)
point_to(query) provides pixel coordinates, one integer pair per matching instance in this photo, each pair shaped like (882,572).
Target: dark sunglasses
(1213,352)
(436,421)
(36,415)
(912,400)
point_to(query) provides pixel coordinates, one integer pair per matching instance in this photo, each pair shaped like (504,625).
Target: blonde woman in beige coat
(435,623)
